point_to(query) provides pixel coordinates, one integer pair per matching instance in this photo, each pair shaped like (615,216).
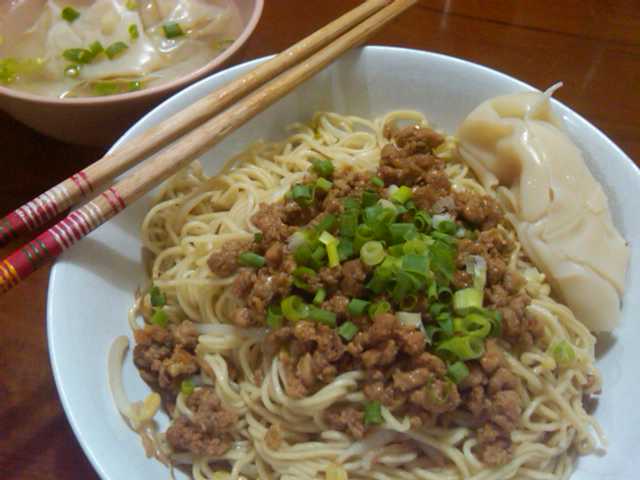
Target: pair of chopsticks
(198,127)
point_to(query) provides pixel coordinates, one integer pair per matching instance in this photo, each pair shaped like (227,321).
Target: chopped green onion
(402,287)
(133,31)
(357,306)
(363,235)
(302,194)
(131,5)
(422,220)
(115,49)
(13,68)
(372,413)
(78,55)
(300,274)
(318,256)
(322,316)
(319,297)
(72,71)
(326,223)
(444,224)
(257,237)
(331,244)
(323,184)
(106,88)
(351,205)
(294,309)
(157,298)
(172,30)
(377,182)
(379,308)
(348,224)
(418,264)
(457,372)
(322,167)
(96,48)
(463,348)
(274,316)
(251,259)
(443,259)
(369,198)
(473,324)
(401,195)
(302,254)
(563,353)
(69,14)
(187,387)
(160,318)
(466,300)
(401,232)
(348,330)
(372,253)
(345,249)
(416,246)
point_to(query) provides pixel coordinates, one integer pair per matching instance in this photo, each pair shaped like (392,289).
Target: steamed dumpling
(516,144)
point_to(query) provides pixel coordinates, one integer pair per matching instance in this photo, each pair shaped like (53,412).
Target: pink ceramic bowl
(101,120)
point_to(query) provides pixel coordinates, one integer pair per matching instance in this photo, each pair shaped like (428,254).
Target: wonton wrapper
(559,210)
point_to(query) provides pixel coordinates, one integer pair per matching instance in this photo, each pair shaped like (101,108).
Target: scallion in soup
(78,48)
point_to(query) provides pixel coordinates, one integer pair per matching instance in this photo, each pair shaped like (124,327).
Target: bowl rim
(164,88)
(55,278)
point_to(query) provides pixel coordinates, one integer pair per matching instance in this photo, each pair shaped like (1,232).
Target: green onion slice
(157,298)
(172,30)
(323,184)
(251,259)
(294,308)
(69,14)
(466,300)
(115,49)
(372,413)
(96,48)
(348,330)
(372,253)
(563,353)
(401,195)
(320,296)
(324,168)
(321,315)
(377,182)
(160,318)
(464,348)
(274,316)
(331,244)
(187,387)
(379,308)
(357,306)
(78,55)
(133,31)
(457,371)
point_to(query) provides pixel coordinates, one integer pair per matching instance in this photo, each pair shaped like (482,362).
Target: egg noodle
(194,215)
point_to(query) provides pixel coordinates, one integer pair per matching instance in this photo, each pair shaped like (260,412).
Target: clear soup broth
(80,48)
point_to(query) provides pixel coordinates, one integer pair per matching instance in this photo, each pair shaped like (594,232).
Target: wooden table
(592,46)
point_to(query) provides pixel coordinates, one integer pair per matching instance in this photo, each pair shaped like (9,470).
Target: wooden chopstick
(32,215)
(83,220)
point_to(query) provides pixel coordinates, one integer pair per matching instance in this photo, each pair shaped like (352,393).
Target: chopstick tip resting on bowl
(200,130)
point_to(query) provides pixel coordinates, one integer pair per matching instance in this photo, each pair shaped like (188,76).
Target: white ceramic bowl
(92,285)
(101,120)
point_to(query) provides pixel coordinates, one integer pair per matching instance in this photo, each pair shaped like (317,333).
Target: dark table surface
(593,46)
